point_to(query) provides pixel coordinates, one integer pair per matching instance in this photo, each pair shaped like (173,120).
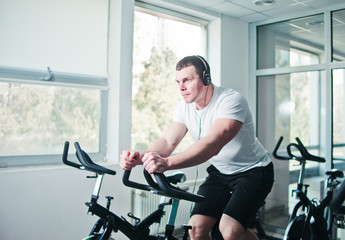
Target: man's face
(190,85)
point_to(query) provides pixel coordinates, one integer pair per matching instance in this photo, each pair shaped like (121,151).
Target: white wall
(48,202)
(228,53)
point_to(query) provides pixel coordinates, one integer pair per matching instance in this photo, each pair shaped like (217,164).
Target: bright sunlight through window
(158,44)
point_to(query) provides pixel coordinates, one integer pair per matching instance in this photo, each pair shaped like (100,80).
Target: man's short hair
(195,61)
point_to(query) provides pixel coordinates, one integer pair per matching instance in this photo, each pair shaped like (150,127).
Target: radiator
(144,203)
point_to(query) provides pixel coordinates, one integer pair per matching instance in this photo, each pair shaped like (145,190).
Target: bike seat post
(97,187)
(301,172)
(173,212)
(172,217)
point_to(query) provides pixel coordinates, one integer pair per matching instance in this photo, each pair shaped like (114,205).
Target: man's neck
(207,98)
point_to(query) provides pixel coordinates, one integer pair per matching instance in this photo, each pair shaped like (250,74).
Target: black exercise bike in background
(312,219)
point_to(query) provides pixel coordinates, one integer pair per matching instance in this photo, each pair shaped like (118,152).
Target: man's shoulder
(223,92)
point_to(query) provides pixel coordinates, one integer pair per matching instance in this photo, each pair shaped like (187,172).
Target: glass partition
(338,35)
(296,42)
(290,105)
(338,118)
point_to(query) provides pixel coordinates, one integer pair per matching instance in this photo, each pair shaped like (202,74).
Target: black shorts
(239,196)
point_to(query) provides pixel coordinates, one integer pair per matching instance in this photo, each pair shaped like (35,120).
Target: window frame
(281,191)
(326,131)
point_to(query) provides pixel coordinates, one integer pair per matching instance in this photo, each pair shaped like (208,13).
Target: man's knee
(201,226)
(231,229)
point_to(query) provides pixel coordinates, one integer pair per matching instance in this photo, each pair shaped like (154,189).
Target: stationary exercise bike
(109,222)
(310,218)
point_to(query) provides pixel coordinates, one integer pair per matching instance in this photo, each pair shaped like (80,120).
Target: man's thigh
(216,198)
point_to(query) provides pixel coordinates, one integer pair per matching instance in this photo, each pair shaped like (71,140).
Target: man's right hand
(129,159)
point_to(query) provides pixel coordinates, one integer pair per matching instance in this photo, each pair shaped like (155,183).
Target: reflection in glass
(290,105)
(295,105)
(338,35)
(338,116)
(338,123)
(297,42)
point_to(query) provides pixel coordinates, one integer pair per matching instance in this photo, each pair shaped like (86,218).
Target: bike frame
(109,221)
(310,210)
(321,227)
(139,231)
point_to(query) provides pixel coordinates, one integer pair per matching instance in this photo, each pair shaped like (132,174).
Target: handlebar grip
(175,192)
(162,187)
(288,149)
(86,161)
(275,154)
(150,180)
(66,161)
(129,183)
(306,154)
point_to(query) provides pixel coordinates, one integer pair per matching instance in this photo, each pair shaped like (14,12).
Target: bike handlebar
(85,160)
(175,192)
(129,183)
(162,186)
(66,161)
(289,151)
(305,155)
(275,151)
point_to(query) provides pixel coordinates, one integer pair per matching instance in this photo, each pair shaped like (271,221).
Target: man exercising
(240,172)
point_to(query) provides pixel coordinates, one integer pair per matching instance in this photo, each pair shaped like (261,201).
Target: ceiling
(246,10)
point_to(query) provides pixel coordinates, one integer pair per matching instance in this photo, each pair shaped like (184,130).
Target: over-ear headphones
(206,76)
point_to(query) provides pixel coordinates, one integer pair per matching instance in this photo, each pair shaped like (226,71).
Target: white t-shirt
(244,151)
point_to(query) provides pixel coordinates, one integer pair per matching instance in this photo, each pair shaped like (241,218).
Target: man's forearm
(197,153)
(162,147)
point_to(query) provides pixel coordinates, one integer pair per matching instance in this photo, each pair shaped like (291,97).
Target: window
(291,98)
(338,32)
(36,120)
(338,43)
(338,117)
(296,42)
(299,79)
(291,102)
(295,96)
(53,67)
(293,43)
(159,42)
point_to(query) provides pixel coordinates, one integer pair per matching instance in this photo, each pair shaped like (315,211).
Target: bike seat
(335,173)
